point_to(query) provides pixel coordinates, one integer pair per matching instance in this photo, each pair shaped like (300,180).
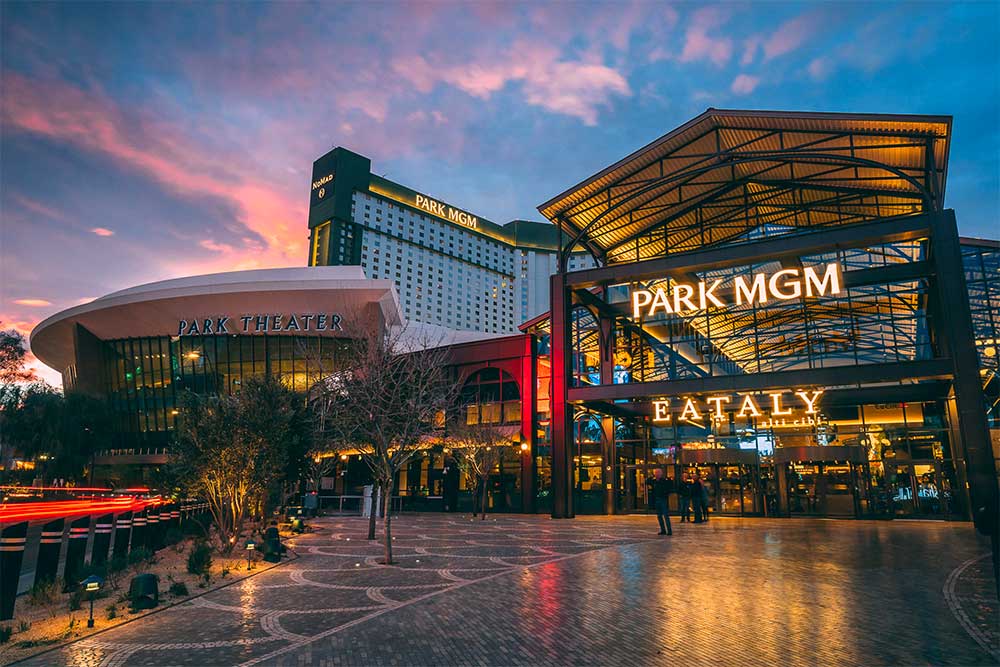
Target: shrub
(200,559)
(111,611)
(76,599)
(23,626)
(173,536)
(44,592)
(140,558)
(179,588)
(5,633)
(117,563)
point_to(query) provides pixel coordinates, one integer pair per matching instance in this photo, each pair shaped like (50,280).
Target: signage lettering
(783,285)
(262,323)
(801,415)
(447,212)
(321,182)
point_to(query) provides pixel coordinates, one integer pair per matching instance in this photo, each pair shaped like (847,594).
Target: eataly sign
(717,406)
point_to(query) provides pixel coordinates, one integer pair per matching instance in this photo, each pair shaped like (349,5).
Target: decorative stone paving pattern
(595,591)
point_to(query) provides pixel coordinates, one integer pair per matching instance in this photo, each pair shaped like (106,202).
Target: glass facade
(144,377)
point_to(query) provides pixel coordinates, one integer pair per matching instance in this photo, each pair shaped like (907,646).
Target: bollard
(123,530)
(47,565)
(139,530)
(153,529)
(102,539)
(12,541)
(76,549)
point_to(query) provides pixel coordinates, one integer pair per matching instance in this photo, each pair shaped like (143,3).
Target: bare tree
(385,403)
(479,449)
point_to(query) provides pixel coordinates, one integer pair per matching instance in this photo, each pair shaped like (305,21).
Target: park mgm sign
(759,288)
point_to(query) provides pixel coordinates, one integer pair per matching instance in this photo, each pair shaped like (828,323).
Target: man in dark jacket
(660,488)
(684,498)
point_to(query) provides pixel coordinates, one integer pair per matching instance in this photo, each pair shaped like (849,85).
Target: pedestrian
(696,498)
(660,488)
(450,485)
(684,498)
(704,501)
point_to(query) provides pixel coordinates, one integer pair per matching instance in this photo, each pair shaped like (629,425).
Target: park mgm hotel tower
(782,290)
(451,268)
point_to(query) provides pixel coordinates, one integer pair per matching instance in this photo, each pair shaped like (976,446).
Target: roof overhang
(730,172)
(155,309)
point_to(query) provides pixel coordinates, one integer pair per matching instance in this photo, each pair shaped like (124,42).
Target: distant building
(451,267)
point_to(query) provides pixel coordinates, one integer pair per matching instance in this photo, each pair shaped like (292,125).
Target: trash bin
(144,591)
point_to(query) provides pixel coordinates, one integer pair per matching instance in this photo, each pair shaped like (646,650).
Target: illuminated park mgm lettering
(782,285)
(448,212)
(261,323)
(773,410)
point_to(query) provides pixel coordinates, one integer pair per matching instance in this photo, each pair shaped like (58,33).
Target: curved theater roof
(728,175)
(154,309)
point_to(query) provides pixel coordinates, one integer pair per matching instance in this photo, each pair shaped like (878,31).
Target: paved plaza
(527,590)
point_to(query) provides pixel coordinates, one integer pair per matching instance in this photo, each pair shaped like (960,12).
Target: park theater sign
(759,288)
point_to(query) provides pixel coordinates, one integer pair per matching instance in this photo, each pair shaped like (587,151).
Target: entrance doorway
(823,481)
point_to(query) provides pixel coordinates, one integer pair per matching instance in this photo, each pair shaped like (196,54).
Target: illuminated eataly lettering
(748,406)
(782,285)
(447,212)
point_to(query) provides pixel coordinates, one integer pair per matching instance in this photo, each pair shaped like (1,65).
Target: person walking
(696,498)
(660,488)
(704,501)
(684,498)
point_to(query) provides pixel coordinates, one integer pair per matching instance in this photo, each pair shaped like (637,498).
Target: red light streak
(55,509)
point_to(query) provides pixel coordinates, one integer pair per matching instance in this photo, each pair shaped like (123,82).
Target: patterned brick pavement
(595,590)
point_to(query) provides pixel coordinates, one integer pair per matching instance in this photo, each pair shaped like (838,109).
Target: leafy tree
(385,405)
(235,451)
(13,352)
(479,449)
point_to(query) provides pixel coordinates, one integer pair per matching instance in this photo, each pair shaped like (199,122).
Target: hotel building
(450,267)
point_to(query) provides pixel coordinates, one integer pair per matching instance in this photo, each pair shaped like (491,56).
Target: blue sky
(142,141)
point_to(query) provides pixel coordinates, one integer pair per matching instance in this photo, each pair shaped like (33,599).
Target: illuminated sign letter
(776,405)
(757,293)
(705,295)
(689,409)
(811,402)
(659,301)
(682,295)
(718,401)
(795,285)
(661,411)
(748,407)
(640,299)
(831,281)
(180,327)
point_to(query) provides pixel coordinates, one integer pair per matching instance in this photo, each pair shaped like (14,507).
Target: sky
(146,141)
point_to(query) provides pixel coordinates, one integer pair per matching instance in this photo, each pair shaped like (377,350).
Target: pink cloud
(34,303)
(167,154)
(820,67)
(744,84)
(102,231)
(789,36)
(750,47)
(699,45)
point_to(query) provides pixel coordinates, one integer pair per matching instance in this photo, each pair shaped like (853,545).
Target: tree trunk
(372,514)
(387,498)
(482,507)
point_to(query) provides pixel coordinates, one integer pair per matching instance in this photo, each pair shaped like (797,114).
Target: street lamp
(91,585)
(251,545)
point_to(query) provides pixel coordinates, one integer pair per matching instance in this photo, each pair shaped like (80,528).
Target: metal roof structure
(728,176)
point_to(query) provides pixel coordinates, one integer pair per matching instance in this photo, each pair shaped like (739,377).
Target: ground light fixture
(251,545)
(91,585)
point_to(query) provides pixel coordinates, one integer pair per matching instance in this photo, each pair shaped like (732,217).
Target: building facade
(451,268)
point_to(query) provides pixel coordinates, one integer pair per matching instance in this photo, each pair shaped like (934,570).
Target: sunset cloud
(744,84)
(700,45)
(34,303)
(101,231)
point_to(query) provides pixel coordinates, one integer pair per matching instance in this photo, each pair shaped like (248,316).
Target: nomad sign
(261,323)
(758,288)
(448,212)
